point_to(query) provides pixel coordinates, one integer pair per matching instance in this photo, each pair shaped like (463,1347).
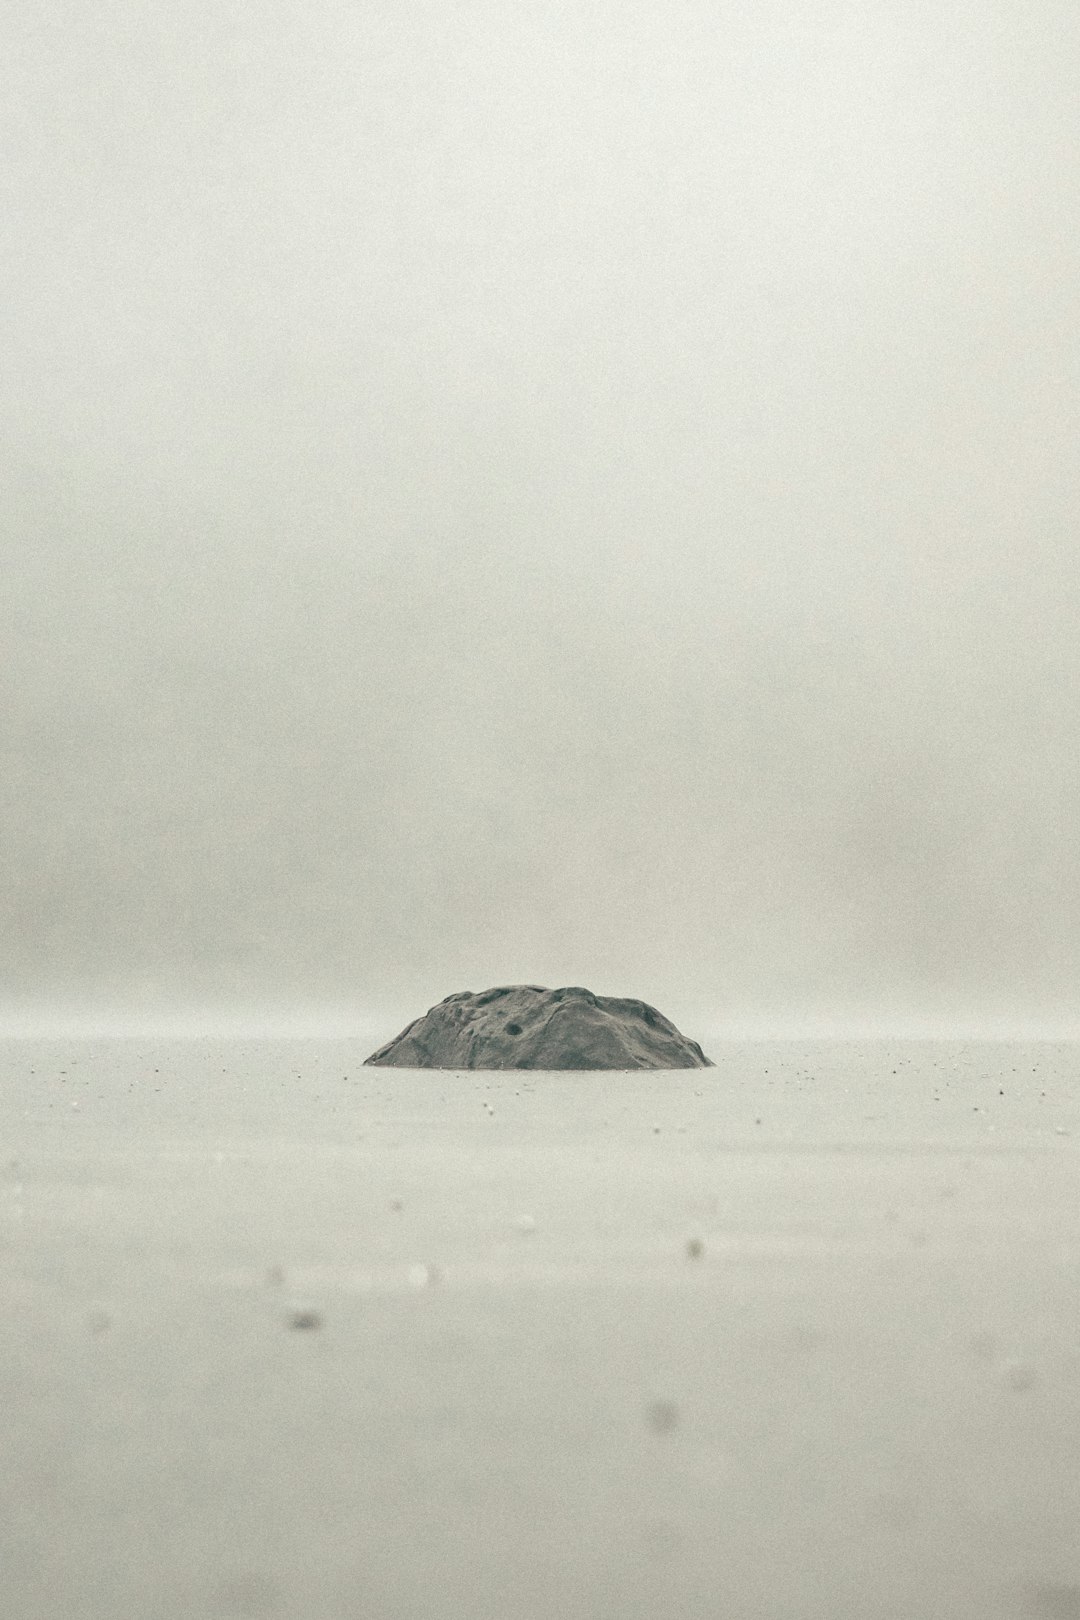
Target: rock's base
(525,1026)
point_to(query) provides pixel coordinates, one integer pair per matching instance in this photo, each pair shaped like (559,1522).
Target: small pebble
(424,1276)
(304,1319)
(663,1416)
(694,1249)
(525,1223)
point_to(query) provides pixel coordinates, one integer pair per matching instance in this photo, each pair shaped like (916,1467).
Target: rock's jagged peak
(527,1026)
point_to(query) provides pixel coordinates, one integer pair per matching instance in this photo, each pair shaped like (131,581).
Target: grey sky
(581,493)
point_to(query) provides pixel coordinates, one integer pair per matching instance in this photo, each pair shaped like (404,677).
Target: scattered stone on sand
(304,1319)
(694,1248)
(663,1416)
(525,1026)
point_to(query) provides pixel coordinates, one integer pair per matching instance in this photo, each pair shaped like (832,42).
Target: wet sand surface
(794,1338)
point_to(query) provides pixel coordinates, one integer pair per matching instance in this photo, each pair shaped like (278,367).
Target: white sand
(518,1395)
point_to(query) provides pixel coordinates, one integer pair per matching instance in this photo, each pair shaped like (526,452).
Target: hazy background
(581,493)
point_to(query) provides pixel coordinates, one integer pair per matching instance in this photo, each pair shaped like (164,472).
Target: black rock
(524,1026)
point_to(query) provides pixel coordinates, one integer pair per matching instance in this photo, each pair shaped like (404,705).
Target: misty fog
(576,494)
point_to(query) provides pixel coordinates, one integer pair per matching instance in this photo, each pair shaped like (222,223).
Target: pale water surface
(794,1338)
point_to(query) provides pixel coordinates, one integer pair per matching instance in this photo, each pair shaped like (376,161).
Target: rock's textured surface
(524,1026)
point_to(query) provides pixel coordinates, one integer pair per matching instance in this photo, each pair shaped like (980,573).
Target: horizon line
(204,1023)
